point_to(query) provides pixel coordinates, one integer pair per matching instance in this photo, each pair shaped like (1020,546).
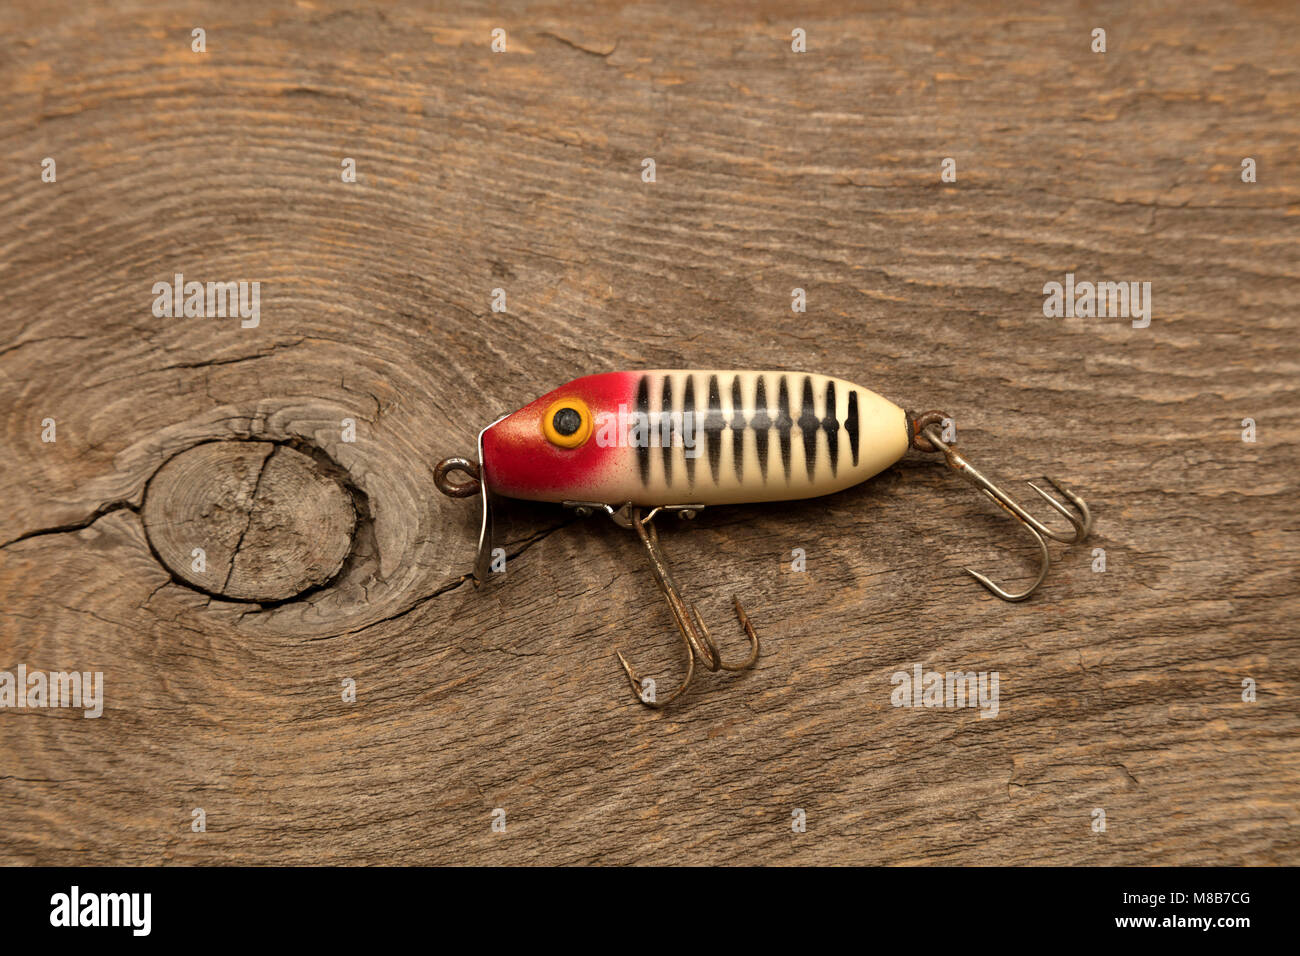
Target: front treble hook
(1036,528)
(699,643)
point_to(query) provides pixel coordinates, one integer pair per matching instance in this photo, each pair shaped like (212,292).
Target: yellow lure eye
(567,423)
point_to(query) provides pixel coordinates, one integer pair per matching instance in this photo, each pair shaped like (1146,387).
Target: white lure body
(706,437)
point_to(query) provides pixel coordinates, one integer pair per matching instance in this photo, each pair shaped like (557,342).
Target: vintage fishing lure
(638,444)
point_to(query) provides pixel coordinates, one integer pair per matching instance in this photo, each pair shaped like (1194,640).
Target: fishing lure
(639,444)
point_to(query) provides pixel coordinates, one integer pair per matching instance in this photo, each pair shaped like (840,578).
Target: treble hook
(699,643)
(1008,504)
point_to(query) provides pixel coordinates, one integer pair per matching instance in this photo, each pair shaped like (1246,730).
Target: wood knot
(249,521)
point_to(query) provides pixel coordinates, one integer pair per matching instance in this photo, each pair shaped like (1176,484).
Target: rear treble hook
(699,643)
(1036,528)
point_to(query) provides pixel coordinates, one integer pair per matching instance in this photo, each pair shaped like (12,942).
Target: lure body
(707,437)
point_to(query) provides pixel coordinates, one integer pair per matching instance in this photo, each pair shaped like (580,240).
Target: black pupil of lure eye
(567,421)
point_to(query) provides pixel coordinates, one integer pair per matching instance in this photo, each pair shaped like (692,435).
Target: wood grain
(268,524)
(1120,690)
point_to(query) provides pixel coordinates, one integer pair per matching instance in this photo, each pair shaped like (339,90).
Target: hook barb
(695,635)
(1081,523)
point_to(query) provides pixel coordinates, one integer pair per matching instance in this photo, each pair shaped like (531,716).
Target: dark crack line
(209,363)
(48,338)
(154,592)
(106,508)
(252,509)
(581,49)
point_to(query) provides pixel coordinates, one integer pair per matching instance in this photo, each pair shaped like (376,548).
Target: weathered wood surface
(1120,690)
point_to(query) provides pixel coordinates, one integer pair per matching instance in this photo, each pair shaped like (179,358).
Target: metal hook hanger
(475,483)
(1008,504)
(699,643)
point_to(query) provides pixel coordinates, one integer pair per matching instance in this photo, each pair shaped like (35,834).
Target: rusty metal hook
(694,633)
(1008,504)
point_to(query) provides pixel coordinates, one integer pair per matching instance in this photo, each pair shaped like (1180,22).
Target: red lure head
(555,449)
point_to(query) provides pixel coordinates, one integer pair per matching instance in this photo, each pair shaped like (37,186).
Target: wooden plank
(522,171)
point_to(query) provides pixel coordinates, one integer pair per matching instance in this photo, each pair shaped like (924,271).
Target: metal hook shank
(699,643)
(1036,528)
